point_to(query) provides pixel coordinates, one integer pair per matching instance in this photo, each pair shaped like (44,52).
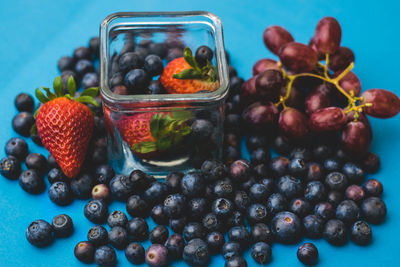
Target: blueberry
(137,207)
(101,192)
(336,181)
(192,184)
(215,241)
(136,81)
(142,53)
(241,235)
(279,166)
(232,123)
(97,155)
(121,187)
(90,79)
(236,261)
(334,197)
(40,233)
(308,254)
(373,187)
(231,154)
(241,200)
(155,193)
(290,186)
(118,237)
(213,170)
(245,186)
(22,123)
(371,163)
(361,233)
(196,253)
(297,167)
(60,193)
(177,225)
(83,66)
(315,192)
(276,203)
(140,180)
(156,88)
(36,161)
(259,193)
(240,170)
(175,206)
(341,155)
(66,75)
(82,53)
(84,251)
(202,130)
(281,145)
(17,148)
(138,229)
(96,211)
(173,53)
(51,161)
(62,225)
(159,234)
(175,244)
(335,232)
(36,138)
(301,153)
(56,175)
(332,165)
(194,230)
(94,46)
(82,186)
(158,215)
(153,65)
(31,181)
(353,172)
(269,183)
(313,226)
(321,152)
(355,193)
(135,253)
(324,210)
(373,210)
(259,155)
(159,49)
(117,218)
(116,80)
(261,252)
(231,249)
(173,181)
(257,213)
(223,188)
(222,207)
(130,61)
(211,222)
(237,219)
(105,256)
(315,172)
(65,63)
(300,207)
(98,235)
(286,227)
(197,207)
(203,55)
(254,142)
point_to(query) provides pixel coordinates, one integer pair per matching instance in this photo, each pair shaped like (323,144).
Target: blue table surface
(36,33)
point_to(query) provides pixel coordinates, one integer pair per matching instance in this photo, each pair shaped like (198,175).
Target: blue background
(34,34)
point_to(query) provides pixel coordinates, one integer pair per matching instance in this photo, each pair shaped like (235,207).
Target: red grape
(311,44)
(293,123)
(341,59)
(268,85)
(260,116)
(361,117)
(350,82)
(295,99)
(298,57)
(328,35)
(385,104)
(264,64)
(275,37)
(356,138)
(327,119)
(248,91)
(318,98)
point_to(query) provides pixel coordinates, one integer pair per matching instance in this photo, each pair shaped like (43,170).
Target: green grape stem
(351,98)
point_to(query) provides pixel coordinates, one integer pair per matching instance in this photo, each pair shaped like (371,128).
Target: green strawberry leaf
(33,129)
(181,115)
(186,130)
(164,143)
(36,113)
(39,95)
(92,92)
(87,100)
(71,86)
(188,55)
(58,86)
(155,125)
(145,147)
(188,74)
(49,94)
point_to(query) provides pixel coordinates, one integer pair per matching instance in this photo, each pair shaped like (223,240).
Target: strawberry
(184,76)
(65,124)
(149,134)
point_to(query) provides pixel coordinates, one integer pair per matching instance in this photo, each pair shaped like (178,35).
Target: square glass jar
(190,125)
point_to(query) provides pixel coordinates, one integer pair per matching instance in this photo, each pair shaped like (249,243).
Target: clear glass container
(126,31)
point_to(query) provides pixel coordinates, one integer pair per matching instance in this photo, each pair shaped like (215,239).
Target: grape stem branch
(352,99)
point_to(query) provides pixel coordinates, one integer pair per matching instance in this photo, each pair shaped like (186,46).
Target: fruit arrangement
(312,114)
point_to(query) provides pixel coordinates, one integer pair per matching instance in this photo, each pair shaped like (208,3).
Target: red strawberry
(65,125)
(149,134)
(184,76)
